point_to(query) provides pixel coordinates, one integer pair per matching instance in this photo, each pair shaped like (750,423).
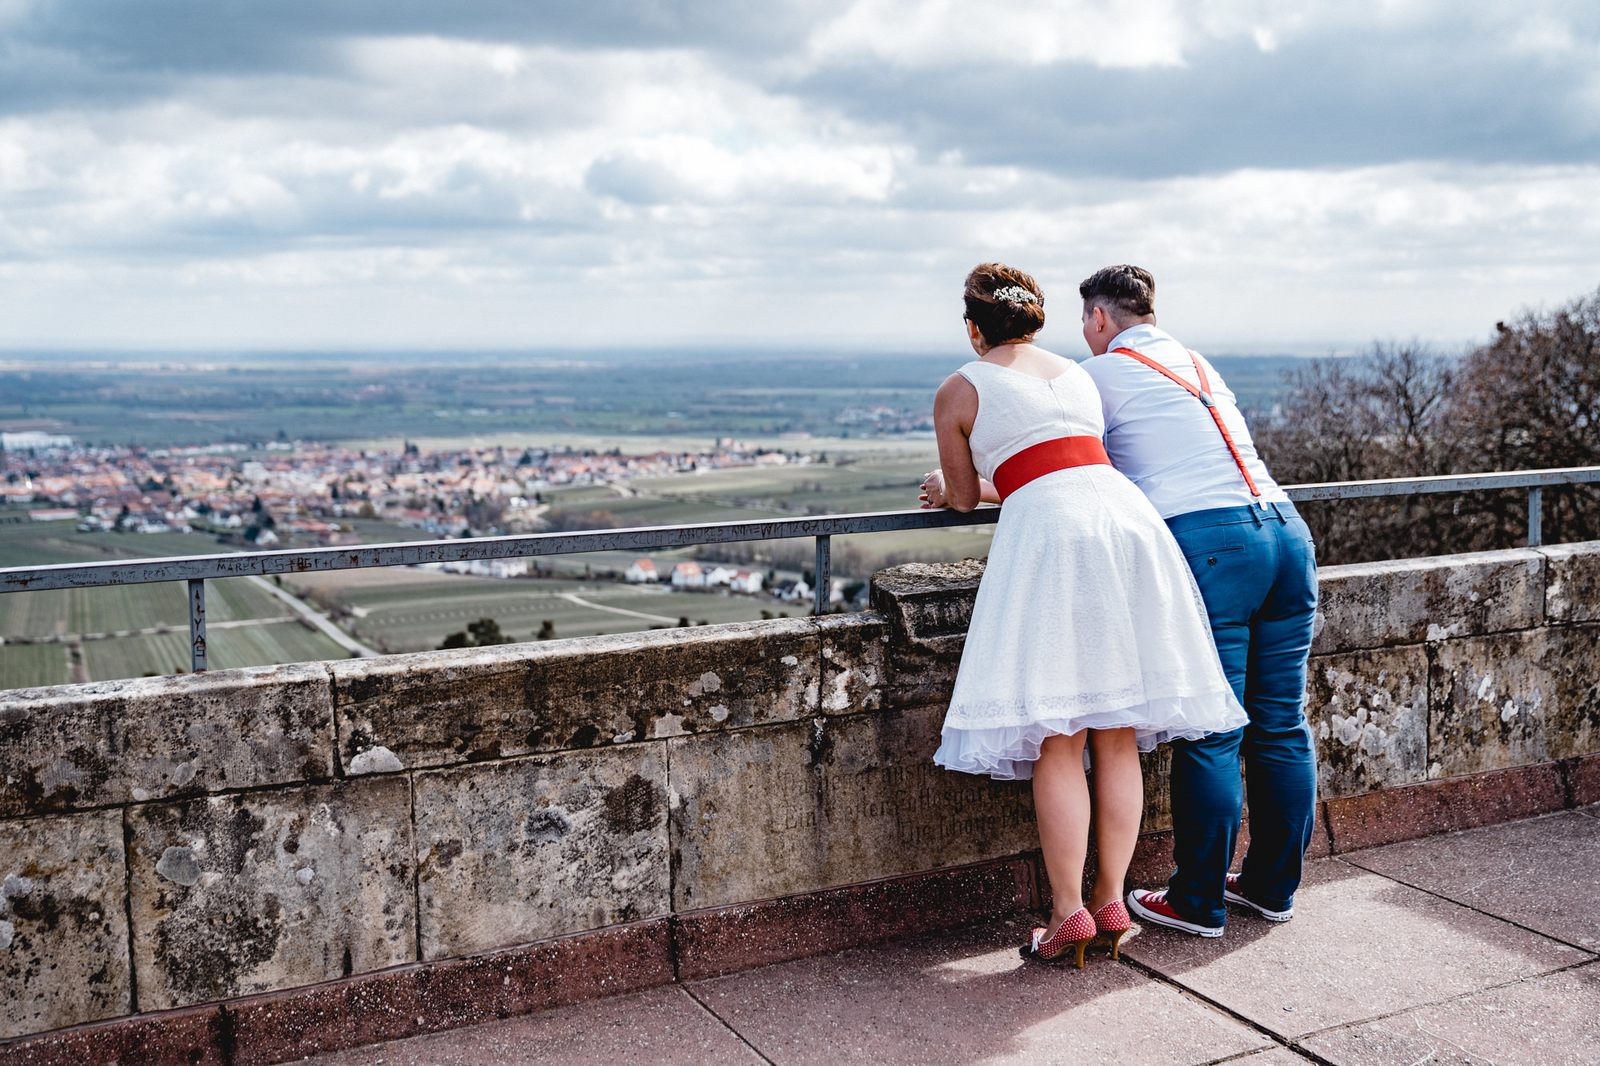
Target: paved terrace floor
(1472,948)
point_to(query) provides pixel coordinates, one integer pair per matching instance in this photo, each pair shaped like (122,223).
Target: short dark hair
(1122,290)
(1003,320)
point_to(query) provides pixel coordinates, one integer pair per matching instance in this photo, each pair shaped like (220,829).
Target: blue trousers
(1257,571)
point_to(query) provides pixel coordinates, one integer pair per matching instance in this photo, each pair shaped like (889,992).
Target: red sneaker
(1231,893)
(1153,907)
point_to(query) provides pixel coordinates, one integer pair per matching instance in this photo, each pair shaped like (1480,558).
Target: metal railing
(198,569)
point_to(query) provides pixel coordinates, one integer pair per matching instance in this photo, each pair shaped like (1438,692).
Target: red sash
(1203,394)
(1035,462)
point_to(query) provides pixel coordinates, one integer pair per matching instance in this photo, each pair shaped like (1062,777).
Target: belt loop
(1277,510)
(1255,515)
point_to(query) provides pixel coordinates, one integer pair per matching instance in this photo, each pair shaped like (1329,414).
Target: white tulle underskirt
(1008,752)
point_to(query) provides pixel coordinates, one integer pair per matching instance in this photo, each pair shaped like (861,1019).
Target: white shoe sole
(1141,911)
(1272,916)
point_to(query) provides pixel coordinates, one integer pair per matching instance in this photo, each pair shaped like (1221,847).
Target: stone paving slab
(1523,872)
(664,1025)
(1360,946)
(1552,1021)
(968,997)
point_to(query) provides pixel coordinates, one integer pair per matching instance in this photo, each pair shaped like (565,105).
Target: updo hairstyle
(1010,315)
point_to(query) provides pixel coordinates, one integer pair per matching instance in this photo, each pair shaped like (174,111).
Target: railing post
(1535,517)
(197,624)
(824,589)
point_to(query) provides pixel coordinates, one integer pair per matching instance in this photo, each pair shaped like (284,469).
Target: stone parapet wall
(172,842)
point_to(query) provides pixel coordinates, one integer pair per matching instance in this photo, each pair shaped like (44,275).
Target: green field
(121,608)
(129,631)
(26,665)
(168,653)
(415,611)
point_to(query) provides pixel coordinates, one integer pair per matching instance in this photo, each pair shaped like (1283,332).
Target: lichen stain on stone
(63,776)
(633,806)
(179,865)
(547,826)
(707,682)
(323,818)
(584,737)
(447,853)
(819,749)
(671,725)
(374,760)
(208,951)
(839,696)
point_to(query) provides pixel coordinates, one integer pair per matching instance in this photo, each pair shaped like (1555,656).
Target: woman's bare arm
(955,408)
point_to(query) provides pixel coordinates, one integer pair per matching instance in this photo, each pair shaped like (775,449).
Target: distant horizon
(224,354)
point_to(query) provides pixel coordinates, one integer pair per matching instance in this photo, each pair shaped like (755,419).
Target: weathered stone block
(533,848)
(796,808)
(928,607)
(855,662)
(1407,601)
(233,895)
(63,930)
(1572,581)
(1369,713)
(926,601)
(441,708)
(1514,699)
(1157,767)
(76,746)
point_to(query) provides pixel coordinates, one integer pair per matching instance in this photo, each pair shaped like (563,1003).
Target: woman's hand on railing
(933,489)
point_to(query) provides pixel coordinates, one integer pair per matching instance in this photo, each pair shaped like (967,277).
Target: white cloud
(429,189)
(1106,33)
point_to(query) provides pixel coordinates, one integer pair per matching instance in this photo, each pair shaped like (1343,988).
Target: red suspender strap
(1203,394)
(1037,460)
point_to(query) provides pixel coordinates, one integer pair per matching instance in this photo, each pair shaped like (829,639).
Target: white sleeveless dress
(1087,617)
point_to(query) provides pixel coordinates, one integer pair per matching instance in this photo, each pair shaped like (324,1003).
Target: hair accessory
(1015,294)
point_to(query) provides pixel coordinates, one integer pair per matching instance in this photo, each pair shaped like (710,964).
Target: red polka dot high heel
(1110,922)
(1072,935)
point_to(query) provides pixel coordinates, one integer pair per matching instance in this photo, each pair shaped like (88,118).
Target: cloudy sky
(498,173)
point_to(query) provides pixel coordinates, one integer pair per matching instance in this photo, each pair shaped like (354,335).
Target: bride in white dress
(1088,626)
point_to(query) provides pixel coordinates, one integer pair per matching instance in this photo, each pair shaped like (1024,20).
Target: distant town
(297,493)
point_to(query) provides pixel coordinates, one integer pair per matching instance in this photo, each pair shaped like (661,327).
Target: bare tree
(1381,415)
(1528,399)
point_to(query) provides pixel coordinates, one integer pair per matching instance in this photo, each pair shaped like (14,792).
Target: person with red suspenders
(1173,428)
(1087,634)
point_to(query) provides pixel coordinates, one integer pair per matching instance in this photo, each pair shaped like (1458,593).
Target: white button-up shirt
(1163,438)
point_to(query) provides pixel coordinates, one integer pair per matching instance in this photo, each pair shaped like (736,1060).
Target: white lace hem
(1007,753)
